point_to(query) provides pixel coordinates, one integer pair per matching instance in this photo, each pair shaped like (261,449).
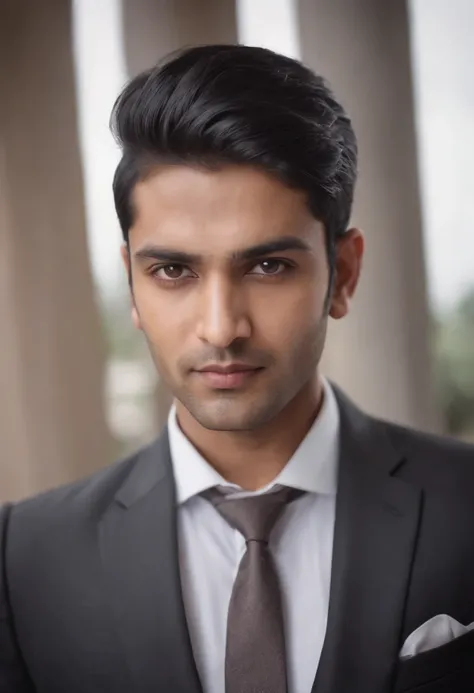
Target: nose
(222,314)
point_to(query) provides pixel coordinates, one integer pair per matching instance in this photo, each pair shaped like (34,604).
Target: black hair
(218,104)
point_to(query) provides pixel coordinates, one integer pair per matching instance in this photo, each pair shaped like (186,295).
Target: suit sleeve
(13,675)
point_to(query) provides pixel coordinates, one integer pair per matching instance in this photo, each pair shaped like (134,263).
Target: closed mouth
(228,369)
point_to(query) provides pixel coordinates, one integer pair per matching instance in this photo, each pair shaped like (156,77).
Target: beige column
(155,28)
(52,423)
(381,353)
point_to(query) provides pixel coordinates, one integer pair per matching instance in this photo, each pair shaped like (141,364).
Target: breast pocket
(445,669)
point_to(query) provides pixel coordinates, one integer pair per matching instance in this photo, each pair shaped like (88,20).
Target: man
(275,539)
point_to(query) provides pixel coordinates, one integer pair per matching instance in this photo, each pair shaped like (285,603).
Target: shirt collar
(312,468)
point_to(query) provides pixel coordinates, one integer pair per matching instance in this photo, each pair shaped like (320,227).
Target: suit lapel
(139,548)
(377,518)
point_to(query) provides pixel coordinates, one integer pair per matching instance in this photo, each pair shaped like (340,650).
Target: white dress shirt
(301,544)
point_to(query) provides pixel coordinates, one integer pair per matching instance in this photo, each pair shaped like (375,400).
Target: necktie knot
(253,516)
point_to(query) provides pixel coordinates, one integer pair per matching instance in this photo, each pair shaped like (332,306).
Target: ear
(349,254)
(125,253)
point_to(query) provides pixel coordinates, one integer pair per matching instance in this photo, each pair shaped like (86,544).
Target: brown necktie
(255,649)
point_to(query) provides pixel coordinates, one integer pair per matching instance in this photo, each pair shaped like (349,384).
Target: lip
(227,377)
(227,368)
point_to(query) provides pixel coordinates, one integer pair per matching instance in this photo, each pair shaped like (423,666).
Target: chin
(229,416)
(225,423)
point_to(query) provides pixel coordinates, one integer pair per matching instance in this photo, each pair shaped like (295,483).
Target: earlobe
(350,251)
(339,306)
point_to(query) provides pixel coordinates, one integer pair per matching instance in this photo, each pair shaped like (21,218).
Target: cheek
(161,321)
(287,318)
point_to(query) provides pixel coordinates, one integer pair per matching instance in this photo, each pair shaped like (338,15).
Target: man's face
(230,277)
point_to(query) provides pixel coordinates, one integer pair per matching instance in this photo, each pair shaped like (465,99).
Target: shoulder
(422,457)
(84,499)
(66,521)
(435,459)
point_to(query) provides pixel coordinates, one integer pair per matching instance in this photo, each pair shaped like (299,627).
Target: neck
(272,445)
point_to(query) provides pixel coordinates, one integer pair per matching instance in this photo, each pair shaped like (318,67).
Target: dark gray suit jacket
(90,597)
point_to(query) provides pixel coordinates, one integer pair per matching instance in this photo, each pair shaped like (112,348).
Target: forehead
(219,210)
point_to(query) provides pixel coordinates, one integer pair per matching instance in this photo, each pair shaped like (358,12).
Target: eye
(172,272)
(270,267)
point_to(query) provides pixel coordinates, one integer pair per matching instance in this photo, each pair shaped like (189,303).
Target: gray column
(155,28)
(52,423)
(381,353)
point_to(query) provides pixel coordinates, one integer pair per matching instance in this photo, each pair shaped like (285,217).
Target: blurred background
(77,388)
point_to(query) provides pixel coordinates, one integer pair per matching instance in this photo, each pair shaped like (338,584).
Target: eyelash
(288,266)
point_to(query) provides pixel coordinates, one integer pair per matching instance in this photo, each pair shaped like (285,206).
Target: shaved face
(230,278)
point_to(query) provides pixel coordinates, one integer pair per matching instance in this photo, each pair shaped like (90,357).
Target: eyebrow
(153,252)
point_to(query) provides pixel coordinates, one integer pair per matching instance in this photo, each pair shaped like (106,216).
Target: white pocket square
(438,631)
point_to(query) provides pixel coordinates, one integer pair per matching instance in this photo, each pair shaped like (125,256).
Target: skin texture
(225,302)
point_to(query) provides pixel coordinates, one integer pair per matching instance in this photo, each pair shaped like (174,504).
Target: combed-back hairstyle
(222,104)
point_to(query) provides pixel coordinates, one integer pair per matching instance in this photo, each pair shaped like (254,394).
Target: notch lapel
(139,548)
(377,519)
